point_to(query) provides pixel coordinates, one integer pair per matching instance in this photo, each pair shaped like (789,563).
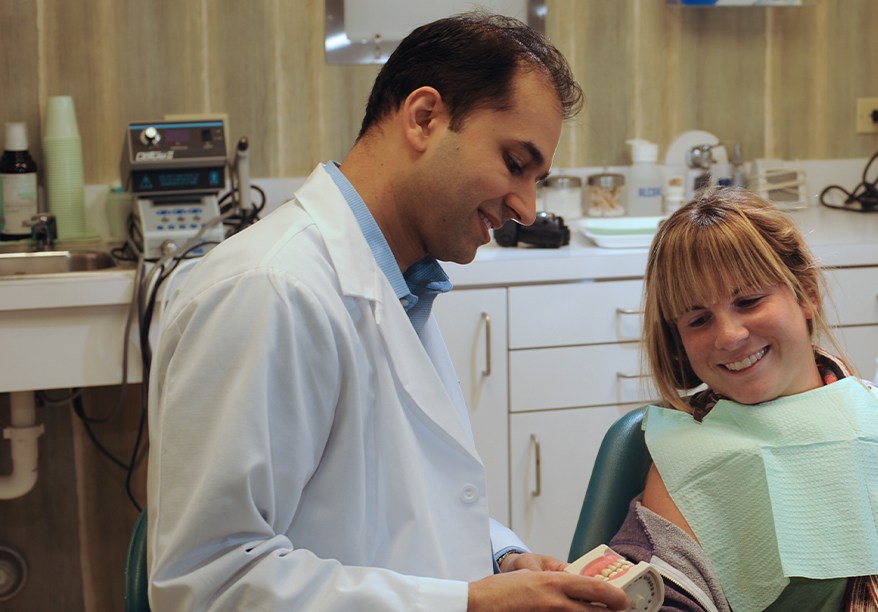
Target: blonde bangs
(706,264)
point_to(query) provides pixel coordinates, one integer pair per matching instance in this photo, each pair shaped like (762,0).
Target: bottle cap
(16,136)
(563,182)
(643,150)
(606,180)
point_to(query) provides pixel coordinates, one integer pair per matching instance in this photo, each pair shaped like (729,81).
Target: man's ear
(423,113)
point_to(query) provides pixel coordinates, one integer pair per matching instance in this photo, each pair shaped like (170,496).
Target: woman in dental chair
(763,493)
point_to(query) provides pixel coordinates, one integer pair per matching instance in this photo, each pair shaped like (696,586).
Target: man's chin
(459,258)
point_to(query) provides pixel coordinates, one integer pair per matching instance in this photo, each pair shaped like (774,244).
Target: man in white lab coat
(310,446)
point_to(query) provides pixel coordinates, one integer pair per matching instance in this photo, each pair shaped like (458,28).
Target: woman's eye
(697,321)
(750,302)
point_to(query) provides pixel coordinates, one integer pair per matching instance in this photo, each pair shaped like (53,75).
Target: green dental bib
(775,490)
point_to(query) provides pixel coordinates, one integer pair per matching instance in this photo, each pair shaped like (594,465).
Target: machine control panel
(171,224)
(175,169)
(174,157)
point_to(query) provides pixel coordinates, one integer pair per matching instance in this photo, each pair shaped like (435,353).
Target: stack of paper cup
(62,160)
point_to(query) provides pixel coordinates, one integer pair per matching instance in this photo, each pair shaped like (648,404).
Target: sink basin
(53,262)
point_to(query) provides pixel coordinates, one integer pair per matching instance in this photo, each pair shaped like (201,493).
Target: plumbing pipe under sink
(23,433)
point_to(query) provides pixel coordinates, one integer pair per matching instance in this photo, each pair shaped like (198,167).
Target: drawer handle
(626,376)
(629,311)
(487,319)
(538,481)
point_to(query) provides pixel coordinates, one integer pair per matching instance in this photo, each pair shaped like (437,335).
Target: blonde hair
(724,241)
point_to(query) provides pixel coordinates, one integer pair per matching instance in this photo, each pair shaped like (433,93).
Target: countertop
(838,238)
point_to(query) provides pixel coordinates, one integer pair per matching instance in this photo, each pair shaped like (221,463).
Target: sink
(53,262)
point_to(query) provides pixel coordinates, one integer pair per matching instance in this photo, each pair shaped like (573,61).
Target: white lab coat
(307,452)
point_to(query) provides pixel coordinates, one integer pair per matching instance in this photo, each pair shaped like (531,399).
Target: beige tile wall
(781,81)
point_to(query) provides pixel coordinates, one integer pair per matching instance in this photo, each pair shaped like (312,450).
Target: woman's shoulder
(657,499)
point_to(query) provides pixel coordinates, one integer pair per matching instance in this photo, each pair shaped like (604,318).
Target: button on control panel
(174,224)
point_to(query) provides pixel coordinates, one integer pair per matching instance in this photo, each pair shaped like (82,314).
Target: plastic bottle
(18,184)
(119,204)
(674,194)
(645,180)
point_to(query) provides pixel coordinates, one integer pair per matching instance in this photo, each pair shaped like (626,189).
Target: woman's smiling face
(753,346)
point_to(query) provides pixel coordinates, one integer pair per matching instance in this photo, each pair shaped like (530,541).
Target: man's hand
(526,590)
(538,563)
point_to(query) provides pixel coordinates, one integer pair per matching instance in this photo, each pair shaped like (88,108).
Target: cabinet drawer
(566,377)
(861,348)
(575,313)
(853,296)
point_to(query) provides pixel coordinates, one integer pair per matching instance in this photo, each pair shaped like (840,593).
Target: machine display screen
(177,135)
(180,180)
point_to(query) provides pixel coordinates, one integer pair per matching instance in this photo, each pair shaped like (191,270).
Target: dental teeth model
(642,583)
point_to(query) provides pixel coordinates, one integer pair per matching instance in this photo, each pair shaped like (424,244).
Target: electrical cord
(865,195)
(144,301)
(150,275)
(238,218)
(74,399)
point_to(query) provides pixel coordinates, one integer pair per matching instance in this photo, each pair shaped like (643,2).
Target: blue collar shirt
(421,282)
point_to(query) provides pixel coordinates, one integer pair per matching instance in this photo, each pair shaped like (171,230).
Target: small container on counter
(606,195)
(18,184)
(644,180)
(562,196)
(674,194)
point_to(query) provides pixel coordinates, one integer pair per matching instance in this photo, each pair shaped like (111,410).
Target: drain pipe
(23,433)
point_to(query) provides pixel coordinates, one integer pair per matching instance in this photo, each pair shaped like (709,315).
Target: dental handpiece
(242,168)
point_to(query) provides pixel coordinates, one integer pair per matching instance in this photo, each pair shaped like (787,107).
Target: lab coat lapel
(438,398)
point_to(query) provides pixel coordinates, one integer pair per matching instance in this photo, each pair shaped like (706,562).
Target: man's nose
(521,205)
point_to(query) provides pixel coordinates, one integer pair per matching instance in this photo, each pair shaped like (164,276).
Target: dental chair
(618,476)
(136,582)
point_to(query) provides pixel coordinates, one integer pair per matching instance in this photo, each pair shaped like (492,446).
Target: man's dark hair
(471,59)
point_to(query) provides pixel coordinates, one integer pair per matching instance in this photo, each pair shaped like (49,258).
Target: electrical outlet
(866,123)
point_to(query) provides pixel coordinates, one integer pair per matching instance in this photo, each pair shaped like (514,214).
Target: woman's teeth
(745,363)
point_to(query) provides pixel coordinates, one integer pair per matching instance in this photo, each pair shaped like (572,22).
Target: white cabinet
(574,376)
(473,322)
(572,366)
(553,454)
(860,346)
(852,308)
(575,366)
(568,314)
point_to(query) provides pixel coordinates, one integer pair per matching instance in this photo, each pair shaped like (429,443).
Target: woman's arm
(657,499)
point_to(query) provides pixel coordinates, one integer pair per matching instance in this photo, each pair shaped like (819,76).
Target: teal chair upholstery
(618,477)
(136,571)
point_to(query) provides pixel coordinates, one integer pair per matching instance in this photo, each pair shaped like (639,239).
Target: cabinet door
(852,296)
(852,305)
(552,455)
(860,345)
(473,322)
